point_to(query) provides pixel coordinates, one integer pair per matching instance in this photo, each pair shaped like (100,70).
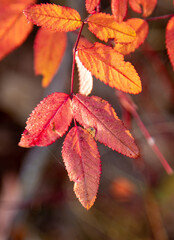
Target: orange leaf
(141,27)
(14,27)
(109,66)
(91,5)
(94,112)
(82,161)
(54,17)
(84,43)
(85,78)
(104,27)
(49,50)
(48,121)
(170,40)
(119,9)
(26,2)
(147,5)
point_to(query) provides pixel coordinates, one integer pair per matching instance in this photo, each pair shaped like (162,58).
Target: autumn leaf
(141,27)
(170,40)
(82,161)
(94,112)
(48,121)
(49,49)
(104,27)
(26,2)
(85,78)
(14,27)
(91,5)
(119,9)
(147,5)
(109,66)
(54,17)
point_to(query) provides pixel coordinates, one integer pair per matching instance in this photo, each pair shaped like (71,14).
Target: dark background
(135,198)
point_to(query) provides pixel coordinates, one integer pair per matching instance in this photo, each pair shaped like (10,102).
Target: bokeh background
(135,198)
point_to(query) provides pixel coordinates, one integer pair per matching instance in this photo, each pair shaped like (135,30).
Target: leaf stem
(152,143)
(159,17)
(129,105)
(74,55)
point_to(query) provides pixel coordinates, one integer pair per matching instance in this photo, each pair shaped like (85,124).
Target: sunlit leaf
(147,5)
(119,9)
(49,49)
(14,26)
(48,121)
(85,78)
(109,66)
(54,17)
(104,26)
(170,40)
(91,5)
(94,112)
(82,161)
(141,27)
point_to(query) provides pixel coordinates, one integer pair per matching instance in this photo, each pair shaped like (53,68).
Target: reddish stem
(129,105)
(159,17)
(152,143)
(74,55)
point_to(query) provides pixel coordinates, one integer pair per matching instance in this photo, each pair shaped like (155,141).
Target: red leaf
(109,66)
(14,27)
(170,40)
(147,5)
(54,17)
(104,27)
(141,27)
(48,121)
(94,112)
(82,161)
(91,5)
(119,9)
(49,50)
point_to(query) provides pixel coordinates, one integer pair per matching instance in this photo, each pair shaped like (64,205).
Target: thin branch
(159,17)
(129,105)
(74,54)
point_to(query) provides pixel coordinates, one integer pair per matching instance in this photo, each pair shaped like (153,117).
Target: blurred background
(135,198)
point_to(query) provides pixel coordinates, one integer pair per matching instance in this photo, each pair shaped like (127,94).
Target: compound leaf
(96,113)
(49,49)
(54,17)
(82,161)
(104,26)
(91,5)
(170,40)
(14,27)
(48,121)
(141,27)
(147,5)
(109,66)
(119,9)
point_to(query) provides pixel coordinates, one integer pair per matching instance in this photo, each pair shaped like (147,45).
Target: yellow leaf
(141,27)
(109,66)
(104,26)
(54,17)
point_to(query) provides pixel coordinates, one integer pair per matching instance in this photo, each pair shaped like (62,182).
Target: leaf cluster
(52,117)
